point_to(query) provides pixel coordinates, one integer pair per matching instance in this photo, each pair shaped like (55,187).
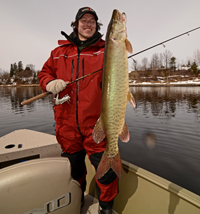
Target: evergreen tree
(194,69)
(173,63)
(20,66)
(188,65)
(11,70)
(15,68)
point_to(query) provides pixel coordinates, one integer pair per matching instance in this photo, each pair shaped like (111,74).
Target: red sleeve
(47,73)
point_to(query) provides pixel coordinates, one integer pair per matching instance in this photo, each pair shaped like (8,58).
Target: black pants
(78,167)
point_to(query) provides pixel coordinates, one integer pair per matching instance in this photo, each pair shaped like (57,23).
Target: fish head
(118,27)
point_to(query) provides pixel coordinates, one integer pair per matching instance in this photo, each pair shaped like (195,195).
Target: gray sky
(30,28)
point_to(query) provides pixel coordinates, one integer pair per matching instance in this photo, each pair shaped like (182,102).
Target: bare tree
(31,66)
(167,55)
(197,56)
(5,74)
(155,62)
(6,77)
(178,65)
(144,63)
(135,66)
(161,60)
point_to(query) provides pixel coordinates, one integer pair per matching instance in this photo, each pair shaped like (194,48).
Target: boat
(35,179)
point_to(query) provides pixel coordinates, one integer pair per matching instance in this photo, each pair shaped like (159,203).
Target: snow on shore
(194,82)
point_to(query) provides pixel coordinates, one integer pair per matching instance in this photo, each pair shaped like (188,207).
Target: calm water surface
(164,128)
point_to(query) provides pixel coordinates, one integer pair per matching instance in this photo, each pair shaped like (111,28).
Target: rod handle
(44,94)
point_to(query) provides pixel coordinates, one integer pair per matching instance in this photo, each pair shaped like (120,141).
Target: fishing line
(162,43)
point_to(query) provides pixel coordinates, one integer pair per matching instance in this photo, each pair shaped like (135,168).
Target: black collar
(82,44)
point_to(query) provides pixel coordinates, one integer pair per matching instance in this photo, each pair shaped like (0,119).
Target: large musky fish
(115,92)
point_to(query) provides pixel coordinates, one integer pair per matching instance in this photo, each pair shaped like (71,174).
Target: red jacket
(68,64)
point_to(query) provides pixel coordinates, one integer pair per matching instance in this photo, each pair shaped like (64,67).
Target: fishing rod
(44,94)
(161,43)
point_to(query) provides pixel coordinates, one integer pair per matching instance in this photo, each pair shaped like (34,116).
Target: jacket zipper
(72,69)
(77,86)
(83,68)
(77,98)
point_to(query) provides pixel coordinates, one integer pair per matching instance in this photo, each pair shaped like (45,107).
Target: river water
(164,128)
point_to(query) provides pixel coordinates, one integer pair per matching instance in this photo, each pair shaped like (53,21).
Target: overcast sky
(30,29)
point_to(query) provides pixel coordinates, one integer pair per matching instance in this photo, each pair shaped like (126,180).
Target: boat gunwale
(163,183)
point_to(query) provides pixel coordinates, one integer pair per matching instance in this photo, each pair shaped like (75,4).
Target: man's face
(86,26)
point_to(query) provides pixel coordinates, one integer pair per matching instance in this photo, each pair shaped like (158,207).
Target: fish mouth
(118,27)
(117,16)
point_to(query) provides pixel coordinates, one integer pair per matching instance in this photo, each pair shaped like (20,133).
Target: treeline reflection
(160,101)
(165,100)
(13,96)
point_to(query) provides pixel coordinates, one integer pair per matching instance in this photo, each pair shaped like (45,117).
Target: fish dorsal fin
(128,46)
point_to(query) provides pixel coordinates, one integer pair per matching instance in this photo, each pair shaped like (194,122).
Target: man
(79,55)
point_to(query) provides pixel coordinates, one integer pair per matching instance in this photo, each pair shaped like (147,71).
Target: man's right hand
(56,86)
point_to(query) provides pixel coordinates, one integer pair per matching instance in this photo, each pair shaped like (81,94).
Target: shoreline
(145,84)
(21,85)
(142,84)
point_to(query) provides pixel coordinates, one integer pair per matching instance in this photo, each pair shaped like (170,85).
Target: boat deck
(91,205)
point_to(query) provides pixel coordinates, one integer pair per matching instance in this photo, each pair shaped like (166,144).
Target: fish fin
(103,166)
(131,99)
(98,133)
(106,163)
(116,165)
(124,134)
(128,46)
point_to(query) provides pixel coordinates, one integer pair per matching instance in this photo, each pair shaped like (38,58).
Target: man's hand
(56,86)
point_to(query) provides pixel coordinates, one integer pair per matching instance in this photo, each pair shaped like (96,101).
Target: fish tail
(106,163)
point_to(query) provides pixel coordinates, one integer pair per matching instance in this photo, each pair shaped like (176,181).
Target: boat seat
(39,186)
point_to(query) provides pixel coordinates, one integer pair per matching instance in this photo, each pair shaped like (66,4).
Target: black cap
(82,11)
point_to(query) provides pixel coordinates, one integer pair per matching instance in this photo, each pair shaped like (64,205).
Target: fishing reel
(64,99)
